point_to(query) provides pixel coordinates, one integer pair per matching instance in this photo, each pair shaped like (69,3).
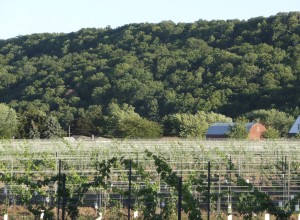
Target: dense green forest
(147,80)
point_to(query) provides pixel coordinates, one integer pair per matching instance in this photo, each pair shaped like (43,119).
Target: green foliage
(52,128)
(34,132)
(137,127)
(128,124)
(147,196)
(77,192)
(271,133)
(116,114)
(297,136)
(83,126)
(8,121)
(36,124)
(34,176)
(191,126)
(190,204)
(32,121)
(273,118)
(238,130)
(30,186)
(229,67)
(252,201)
(255,201)
(94,113)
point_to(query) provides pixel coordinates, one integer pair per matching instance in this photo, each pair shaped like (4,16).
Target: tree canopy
(8,121)
(230,67)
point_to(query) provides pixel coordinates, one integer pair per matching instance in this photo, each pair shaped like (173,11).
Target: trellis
(271,166)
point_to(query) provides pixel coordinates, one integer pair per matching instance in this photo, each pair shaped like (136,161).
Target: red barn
(256,131)
(220,130)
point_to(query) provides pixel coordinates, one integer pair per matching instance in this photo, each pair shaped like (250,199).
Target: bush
(271,133)
(238,130)
(138,127)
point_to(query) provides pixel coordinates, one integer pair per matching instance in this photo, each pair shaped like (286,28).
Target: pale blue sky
(21,17)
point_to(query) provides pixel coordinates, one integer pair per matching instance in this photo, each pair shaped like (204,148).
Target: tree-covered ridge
(228,67)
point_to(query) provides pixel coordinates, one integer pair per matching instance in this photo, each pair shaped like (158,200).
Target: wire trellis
(270,166)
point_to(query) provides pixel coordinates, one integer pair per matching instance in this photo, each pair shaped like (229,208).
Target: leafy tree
(34,131)
(83,126)
(189,125)
(129,124)
(94,113)
(33,117)
(271,133)
(230,67)
(115,114)
(238,130)
(278,120)
(52,128)
(8,121)
(138,127)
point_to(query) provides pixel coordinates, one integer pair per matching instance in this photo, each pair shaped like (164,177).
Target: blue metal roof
(296,127)
(223,128)
(219,128)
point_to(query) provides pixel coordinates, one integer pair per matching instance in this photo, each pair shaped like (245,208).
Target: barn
(220,130)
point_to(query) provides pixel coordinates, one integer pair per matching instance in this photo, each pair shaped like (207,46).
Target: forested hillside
(154,77)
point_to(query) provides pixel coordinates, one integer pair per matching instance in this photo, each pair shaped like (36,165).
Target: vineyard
(149,179)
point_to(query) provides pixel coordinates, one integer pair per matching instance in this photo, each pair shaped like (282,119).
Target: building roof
(223,128)
(296,127)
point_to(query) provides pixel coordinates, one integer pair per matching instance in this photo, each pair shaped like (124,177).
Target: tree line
(147,80)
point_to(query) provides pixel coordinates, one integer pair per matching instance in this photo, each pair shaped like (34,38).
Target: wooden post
(58,188)
(179,197)
(64,196)
(208,189)
(129,190)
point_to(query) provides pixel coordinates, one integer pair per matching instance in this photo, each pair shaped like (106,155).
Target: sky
(22,17)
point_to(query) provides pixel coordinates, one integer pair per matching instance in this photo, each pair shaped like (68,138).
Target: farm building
(295,129)
(220,130)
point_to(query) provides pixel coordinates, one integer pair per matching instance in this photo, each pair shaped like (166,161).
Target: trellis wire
(271,166)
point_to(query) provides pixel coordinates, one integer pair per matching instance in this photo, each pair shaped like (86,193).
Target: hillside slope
(230,67)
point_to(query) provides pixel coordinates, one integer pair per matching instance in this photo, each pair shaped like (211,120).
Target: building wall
(213,136)
(256,131)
